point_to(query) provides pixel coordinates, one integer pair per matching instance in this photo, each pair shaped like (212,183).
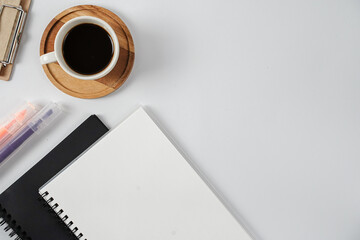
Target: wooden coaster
(89,88)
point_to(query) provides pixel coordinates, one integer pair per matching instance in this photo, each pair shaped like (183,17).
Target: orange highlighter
(15,121)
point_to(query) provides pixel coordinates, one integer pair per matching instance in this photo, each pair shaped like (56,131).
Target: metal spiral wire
(7,228)
(61,214)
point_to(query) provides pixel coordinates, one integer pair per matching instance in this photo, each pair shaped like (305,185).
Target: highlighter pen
(15,121)
(37,123)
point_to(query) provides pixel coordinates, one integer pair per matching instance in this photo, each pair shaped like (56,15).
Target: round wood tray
(89,88)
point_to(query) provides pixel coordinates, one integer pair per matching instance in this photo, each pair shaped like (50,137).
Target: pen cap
(44,117)
(17,119)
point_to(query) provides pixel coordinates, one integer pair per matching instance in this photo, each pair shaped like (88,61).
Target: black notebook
(22,213)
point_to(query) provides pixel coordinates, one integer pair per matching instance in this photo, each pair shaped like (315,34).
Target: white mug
(57,55)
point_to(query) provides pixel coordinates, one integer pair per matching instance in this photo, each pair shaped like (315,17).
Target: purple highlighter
(34,125)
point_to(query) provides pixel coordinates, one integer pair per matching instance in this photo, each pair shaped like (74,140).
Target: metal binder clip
(16,36)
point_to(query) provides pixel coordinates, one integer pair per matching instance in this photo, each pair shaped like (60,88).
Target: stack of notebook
(133,184)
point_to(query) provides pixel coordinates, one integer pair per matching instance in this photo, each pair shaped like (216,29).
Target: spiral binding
(61,214)
(7,228)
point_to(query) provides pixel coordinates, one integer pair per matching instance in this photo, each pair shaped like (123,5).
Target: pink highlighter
(15,121)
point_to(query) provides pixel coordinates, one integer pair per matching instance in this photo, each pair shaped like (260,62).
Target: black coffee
(87,49)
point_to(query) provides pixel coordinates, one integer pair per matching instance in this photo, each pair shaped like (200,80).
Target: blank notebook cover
(134,184)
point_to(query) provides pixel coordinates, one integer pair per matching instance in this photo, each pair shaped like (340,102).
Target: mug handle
(48,58)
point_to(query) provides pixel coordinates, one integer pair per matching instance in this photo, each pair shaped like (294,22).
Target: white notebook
(134,184)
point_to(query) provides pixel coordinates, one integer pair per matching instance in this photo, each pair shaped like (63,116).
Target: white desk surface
(262,95)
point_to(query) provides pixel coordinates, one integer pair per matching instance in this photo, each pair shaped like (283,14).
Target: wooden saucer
(89,88)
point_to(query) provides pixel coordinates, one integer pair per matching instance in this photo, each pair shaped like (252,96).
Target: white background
(262,95)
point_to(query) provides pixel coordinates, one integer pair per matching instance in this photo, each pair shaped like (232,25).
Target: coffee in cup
(85,48)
